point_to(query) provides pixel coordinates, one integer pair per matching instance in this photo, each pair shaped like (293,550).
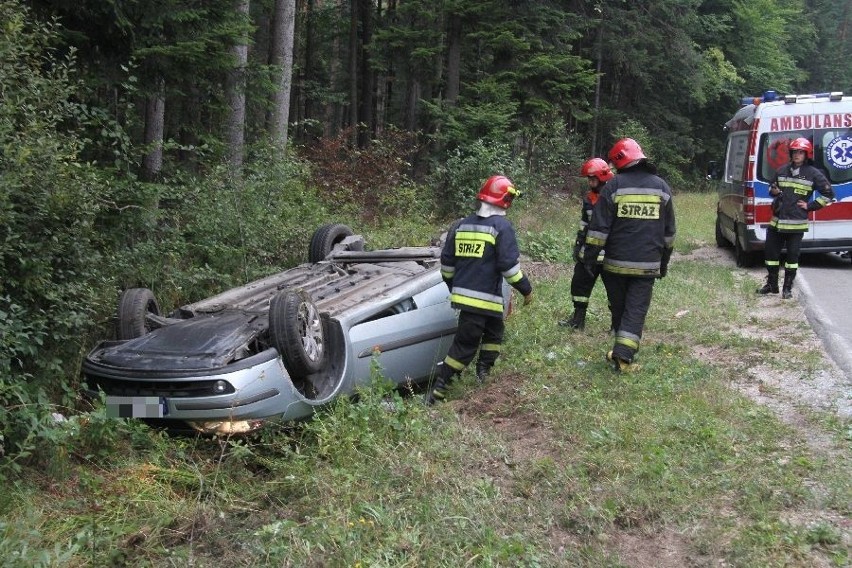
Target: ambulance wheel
(721,241)
(743,258)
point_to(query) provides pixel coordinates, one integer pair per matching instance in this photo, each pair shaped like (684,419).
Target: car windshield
(832,153)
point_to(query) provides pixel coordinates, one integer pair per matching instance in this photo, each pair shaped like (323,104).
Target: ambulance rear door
(833,155)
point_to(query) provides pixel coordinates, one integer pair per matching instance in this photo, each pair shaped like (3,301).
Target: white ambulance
(758,138)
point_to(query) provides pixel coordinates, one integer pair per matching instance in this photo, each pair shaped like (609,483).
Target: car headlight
(220,386)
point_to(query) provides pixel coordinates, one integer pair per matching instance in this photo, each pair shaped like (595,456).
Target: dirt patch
(501,406)
(537,271)
(665,549)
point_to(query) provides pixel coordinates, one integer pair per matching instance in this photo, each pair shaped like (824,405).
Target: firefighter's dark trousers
(775,241)
(629,299)
(476,332)
(582,283)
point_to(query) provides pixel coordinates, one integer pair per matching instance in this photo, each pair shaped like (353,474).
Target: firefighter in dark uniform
(583,281)
(634,222)
(477,255)
(792,188)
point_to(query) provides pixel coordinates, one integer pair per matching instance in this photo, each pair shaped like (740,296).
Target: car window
(832,153)
(736,156)
(405,305)
(774,152)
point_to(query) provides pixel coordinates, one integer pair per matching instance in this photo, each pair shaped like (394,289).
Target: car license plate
(136,406)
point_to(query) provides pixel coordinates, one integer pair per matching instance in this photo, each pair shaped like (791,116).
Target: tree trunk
(155,114)
(384,80)
(283,23)
(236,93)
(597,113)
(333,114)
(368,77)
(353,69)
(453,59)
(305,101)
(412,98)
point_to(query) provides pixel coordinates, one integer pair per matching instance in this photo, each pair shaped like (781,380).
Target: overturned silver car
(281,346)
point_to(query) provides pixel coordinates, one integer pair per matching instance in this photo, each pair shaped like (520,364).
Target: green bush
(48,205)
(548,246)
(460,176)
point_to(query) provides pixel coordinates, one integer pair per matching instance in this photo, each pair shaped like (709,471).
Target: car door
(407,342)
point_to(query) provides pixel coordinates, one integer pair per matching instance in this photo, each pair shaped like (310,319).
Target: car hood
(207,341)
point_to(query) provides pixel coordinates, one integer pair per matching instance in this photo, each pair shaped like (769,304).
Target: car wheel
(324,239)
(296,330)
(721,241)
(133,308)
(743,259)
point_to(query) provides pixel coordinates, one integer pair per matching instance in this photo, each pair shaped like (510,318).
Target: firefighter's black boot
(578,318)
(613,324)
(482,371)
(787,290)
(620,365)
(438,392)
(771,286)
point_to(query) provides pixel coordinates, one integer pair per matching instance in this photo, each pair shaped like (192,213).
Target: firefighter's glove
(590,258)
(528,299)
(578,246)
(664,262)
(575,253)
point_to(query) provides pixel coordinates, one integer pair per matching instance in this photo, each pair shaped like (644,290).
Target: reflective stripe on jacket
(634,221)
(476,257)
(787,216)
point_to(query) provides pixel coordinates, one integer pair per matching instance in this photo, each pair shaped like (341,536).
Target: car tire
(324,239)
(297,332)
(721,241)
(134,305)
(743,259)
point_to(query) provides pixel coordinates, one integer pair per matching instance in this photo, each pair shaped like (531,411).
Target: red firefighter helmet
(499,191)
(597,168)
(624,152)
(802,144)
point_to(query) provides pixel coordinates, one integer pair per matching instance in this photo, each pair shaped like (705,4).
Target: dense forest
(186,145)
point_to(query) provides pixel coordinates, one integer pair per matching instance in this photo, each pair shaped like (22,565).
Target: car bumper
(257,389)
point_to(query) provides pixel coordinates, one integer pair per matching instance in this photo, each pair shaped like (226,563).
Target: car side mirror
(713,170)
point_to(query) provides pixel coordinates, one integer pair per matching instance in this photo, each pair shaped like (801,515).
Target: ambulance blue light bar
(766,97)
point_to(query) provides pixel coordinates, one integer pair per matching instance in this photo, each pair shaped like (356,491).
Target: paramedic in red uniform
(792,187)
(477,256)
(634,221)
(583,281)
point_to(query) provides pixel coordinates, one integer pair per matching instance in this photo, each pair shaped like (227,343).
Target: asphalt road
(824,285)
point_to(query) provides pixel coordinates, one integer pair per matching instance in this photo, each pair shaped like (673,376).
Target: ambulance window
(833,154)
(736,157)
(774,152)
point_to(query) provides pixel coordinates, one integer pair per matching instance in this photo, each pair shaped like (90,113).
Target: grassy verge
(556,462)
